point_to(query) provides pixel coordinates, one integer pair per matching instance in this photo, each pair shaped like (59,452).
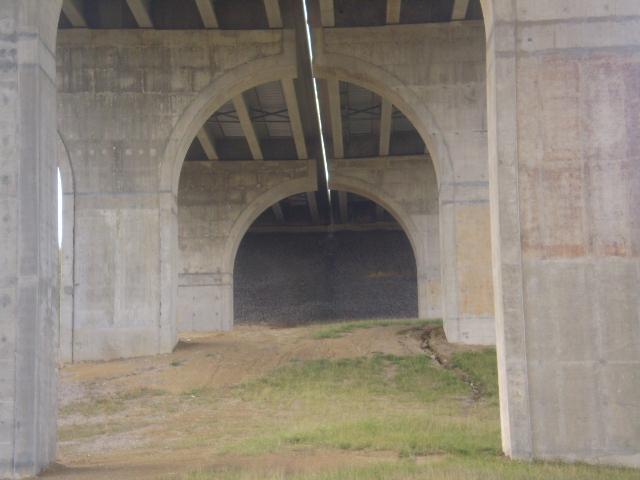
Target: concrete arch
(253,211)
(418,237)
(368,75)
(372,192)
(227,86)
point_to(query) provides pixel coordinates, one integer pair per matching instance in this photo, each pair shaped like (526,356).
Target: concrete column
(467,301)
(564,162)
(120,258)
(29,256)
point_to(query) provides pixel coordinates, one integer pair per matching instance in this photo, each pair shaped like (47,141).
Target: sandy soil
(134,446)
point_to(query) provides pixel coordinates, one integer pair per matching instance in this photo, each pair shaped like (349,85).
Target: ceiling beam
(344,208)
(141,12)
(460,9)
(247,127)
(74,10)
(277,211)
(273,13)
(327,17)
(207,13)
(336,117)
(385,127)
(208,143)
(291,99)
(393,11)
(313,207)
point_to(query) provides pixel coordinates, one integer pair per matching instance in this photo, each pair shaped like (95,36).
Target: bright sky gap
(315,91)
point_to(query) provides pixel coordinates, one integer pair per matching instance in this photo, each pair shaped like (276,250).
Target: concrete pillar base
(205,303)
(471,330)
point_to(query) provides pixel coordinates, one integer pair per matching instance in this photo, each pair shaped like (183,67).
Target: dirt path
(157,434)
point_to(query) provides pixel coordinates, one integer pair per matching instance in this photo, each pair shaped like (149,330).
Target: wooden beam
(344,207)
(327,17)
(208,143)
(460,9)
(336,118)
(273,13)
(291,100)
(313,207)
(385,127)
(74,10)
(141,12)
(277,211)
(393,11)
(247,126)
(207,13)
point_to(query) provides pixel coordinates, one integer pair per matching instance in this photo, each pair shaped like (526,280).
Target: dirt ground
(134,446)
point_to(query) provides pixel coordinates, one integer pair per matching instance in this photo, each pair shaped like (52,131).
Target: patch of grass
(175,363)
(109,405)
(450,467)
(86,431)
(201,395)
(335,330)
(386,402)
(482,369)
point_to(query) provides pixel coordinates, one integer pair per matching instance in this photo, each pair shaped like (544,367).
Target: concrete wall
(407,188)
(435,74)
(564,98)
(121,98)
(29,254)
(218,202)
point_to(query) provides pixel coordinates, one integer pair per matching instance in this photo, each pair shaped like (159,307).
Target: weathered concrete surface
(565,175)
(435,74)
(218,202)
(121,98)
(29,255)
(407,188)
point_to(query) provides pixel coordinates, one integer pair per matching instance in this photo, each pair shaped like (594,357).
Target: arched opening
(290,271)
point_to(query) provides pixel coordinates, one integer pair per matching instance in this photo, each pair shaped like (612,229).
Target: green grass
(335,330)
(404,404)
(446,468)
(482,369)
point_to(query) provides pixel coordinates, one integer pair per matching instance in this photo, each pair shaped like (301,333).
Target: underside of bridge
(501,135)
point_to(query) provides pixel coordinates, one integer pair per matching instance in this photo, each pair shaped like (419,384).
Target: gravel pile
(294,278)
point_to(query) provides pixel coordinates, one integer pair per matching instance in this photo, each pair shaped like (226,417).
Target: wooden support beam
(385,127)
(393,11)
(247,126)
(277,211)
(207,13)
(327,17)
(460,9)
(291,100)
(344,207)
(141,12)
(273,13)
(313,207)
(74,10)
(336,118)
(379,213)
(208,143)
